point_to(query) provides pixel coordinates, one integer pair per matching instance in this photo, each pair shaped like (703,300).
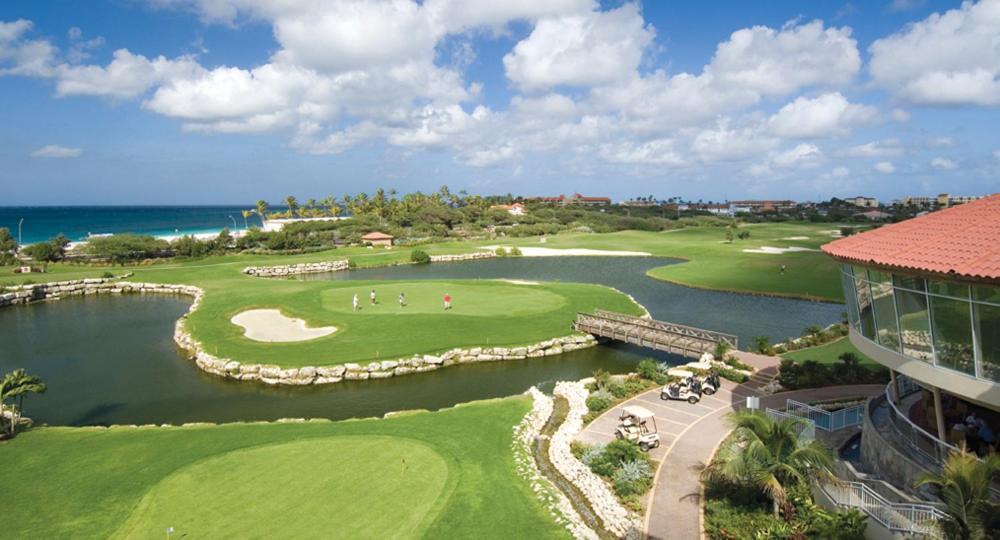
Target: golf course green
(446,474)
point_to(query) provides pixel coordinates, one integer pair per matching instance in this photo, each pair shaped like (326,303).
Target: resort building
(943,200)
(761,207)
(864,202)
(574,199)
(378,239)
(923,299)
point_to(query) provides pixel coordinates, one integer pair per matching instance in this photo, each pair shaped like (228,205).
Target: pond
(112,360)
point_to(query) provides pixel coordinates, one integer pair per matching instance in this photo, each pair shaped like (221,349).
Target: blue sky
(228,101)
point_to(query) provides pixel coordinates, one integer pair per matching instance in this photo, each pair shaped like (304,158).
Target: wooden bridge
(662,336)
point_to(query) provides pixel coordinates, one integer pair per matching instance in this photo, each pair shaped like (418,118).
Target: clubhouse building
(923,299)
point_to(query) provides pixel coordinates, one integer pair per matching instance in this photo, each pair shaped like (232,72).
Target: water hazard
(112,360)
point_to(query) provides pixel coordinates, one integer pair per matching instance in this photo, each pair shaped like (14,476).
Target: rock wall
(272,374)
(463,257)
(525,433)
(617,519)
(293,269)
(27,294)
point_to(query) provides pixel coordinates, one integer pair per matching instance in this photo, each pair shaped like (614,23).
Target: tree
(768,455)
(964,486)
(44,252)
(246,214)
(292,204)
(14,387)
(8,246)
(262,211)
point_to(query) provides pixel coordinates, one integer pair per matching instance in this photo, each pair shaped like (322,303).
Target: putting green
(343,487)
(486,299)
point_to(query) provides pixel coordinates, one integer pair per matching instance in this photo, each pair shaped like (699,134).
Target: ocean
(77,222)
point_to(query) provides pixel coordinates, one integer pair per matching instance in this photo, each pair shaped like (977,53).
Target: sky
(230,101)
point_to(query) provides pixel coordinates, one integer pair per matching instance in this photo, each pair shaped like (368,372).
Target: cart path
(689,435)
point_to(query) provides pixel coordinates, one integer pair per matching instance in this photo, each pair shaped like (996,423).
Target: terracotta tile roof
(962,240)
(376,235)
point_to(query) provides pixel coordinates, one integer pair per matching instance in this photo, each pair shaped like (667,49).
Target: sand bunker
(579,252)
(768,250)
(795,238)
(271,326)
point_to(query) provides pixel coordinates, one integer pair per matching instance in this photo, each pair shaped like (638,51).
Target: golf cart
(635,427)
(710,383)
(687,390)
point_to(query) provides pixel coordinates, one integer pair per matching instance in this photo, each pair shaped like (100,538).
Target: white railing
(916,437)
(903,517)
(806,428)
(827,420)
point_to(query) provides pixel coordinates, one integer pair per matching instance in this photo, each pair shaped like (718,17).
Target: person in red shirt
(447,301)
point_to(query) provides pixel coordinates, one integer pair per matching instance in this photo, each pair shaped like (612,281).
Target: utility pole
(234,223)
(19,223)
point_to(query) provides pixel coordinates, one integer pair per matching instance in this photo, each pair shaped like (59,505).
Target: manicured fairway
(295,480)
(829,353)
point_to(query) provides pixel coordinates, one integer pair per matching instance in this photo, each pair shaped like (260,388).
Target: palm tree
(768,454)
(14,387)
(292,205)
(246,214)
(964,486)
(262,211)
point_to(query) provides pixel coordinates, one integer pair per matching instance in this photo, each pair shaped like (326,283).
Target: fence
(806,428)
(903,517)
(929,446)
(827,420)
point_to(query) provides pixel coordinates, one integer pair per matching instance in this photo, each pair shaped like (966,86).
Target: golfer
(372,296)
(356,304)
(447,301)
(402,300)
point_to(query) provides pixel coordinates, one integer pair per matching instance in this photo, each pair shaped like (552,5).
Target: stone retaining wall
(27,294)
(617,519)
(463,257)
(294,269)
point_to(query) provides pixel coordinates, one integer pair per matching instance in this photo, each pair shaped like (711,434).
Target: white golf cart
(687,390)
(710,383)
(635,427)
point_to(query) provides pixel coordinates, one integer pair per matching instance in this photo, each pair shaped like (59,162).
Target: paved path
(689,436)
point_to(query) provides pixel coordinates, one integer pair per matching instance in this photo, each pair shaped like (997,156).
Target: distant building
(864,202)
(377,238)
(942,200)
(574,199)
(516,209)
(723,209)
(639,203)
(761,206)
(874,215)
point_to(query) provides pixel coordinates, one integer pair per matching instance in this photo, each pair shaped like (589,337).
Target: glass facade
(948,324)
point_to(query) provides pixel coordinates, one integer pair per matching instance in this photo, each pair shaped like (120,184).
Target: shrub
(733,375)
(501,252)
(591,453)
(647,369)
(419,256)
(514,252)
(762,345)
(615,453)
(601,378)
(618,390)
(599,401)
(122,248)
(107,275)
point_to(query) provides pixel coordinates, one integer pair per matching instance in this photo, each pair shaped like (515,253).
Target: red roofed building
(923,299)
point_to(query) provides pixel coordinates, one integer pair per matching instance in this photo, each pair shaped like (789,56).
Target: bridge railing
(668,327)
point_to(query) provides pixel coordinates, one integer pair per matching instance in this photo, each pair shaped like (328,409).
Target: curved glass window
(885,309)
(866,314)
(988,332)
(914,324)
(952,327)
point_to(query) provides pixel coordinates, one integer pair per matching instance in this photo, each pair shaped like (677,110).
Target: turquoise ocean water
(76,222)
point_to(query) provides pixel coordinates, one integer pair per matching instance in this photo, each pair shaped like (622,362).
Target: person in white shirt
(355,303)
(372,296)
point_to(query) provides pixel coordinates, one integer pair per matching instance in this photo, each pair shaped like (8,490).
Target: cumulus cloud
(777,62)
(824,116)
(801,156)
(945,59)
(56,151)
(127,75)
(884,167)
(588,49)
(943,164)
(883,148)
(657,152)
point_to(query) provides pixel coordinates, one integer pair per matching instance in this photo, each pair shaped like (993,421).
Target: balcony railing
(909,518)
(827,420)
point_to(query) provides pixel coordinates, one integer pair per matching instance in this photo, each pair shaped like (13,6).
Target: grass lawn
(829,353)
(446,474)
